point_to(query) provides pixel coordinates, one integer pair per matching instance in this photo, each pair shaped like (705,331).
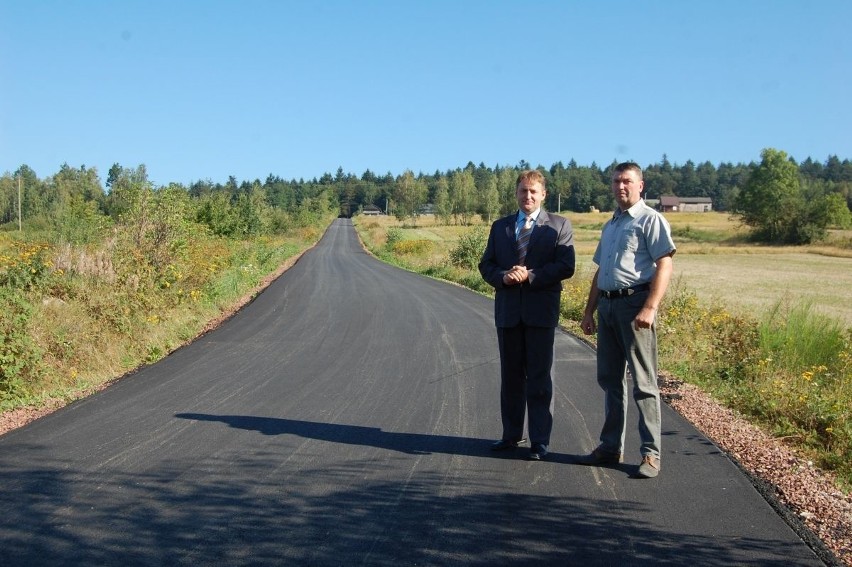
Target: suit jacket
(550,259)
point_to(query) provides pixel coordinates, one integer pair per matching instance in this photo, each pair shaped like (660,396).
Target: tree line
(458,196)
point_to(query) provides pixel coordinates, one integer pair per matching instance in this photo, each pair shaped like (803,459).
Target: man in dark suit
(528,255)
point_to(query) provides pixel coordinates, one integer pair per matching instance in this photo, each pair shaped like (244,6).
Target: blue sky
(204,89)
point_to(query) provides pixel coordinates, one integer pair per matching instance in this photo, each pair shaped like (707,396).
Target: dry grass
(757,281)
(714,260)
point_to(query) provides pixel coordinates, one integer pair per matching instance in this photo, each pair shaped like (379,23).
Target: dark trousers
(526,383)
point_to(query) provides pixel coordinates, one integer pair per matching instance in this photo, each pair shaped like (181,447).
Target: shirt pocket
(631,240)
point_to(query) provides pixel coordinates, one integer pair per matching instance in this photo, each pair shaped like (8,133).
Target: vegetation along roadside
(86,297)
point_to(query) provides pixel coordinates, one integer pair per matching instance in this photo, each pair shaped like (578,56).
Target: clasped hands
(517,275)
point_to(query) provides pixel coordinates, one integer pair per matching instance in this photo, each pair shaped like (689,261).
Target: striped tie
(524,240)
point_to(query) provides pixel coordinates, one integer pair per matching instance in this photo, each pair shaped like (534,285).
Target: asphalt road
(344,418)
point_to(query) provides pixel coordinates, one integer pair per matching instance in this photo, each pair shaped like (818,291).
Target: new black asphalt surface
(344,418)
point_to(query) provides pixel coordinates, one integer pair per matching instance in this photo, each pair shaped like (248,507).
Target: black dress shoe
(504,444)
(538,452)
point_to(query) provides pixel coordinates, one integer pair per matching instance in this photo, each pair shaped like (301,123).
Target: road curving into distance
(344,417)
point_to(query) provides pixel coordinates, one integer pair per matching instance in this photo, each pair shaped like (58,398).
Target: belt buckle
(629,291)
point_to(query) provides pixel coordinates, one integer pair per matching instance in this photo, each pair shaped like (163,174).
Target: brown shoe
(601,457)
(650,467)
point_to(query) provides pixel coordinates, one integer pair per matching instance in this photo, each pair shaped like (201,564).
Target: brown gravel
(805,496)
(801,493)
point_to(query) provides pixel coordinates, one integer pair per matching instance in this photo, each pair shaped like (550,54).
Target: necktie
(524,240)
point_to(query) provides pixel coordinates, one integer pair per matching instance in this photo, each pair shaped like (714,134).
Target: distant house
(696,204)
(371,210)
(673,204)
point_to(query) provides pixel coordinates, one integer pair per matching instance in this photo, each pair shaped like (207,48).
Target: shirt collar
(631,211)
(533,215)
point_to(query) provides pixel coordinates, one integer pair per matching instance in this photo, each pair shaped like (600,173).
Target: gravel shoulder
(805,496)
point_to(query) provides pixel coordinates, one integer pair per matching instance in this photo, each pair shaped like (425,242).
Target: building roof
(674,200)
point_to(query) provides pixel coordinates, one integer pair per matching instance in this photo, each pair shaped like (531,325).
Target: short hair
(628,166)
(532,175)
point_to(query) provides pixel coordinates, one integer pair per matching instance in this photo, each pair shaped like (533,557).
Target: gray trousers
(620,348)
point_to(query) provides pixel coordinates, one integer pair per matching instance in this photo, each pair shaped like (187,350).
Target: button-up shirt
(522,217)
(630,244)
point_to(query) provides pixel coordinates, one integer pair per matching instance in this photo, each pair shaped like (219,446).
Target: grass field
(758,282)
(714,260)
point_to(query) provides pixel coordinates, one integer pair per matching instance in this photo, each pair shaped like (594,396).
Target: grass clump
(791,370)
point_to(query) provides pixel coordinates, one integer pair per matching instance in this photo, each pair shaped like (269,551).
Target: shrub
(27,267)
(705,342)
(19,355)
(394,236)
(467,253)
(574,297)
(408,247)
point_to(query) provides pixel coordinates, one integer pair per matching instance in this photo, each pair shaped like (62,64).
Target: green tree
(443,207)
(409,195)
(69,183)
(838,211)
(80,221)
(214,210)
(253,213)
(490,198)
(124,184)
(587,190)
(770,201)
(153,230)
(113,175)
(708,181)
(506,181)
(463,196)
(33,198)
(559,188)
(8,198)
(689,184)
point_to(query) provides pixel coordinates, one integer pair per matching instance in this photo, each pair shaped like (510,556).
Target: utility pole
(19,203)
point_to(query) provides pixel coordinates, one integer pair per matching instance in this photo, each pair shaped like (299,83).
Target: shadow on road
(250,511)
(409,443)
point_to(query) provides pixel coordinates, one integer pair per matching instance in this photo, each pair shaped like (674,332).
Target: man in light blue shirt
(634,258)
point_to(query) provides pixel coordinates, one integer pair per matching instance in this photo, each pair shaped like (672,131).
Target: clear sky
(200,90)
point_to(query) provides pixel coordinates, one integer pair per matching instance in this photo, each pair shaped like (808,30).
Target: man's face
(627,188)
(530,194)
